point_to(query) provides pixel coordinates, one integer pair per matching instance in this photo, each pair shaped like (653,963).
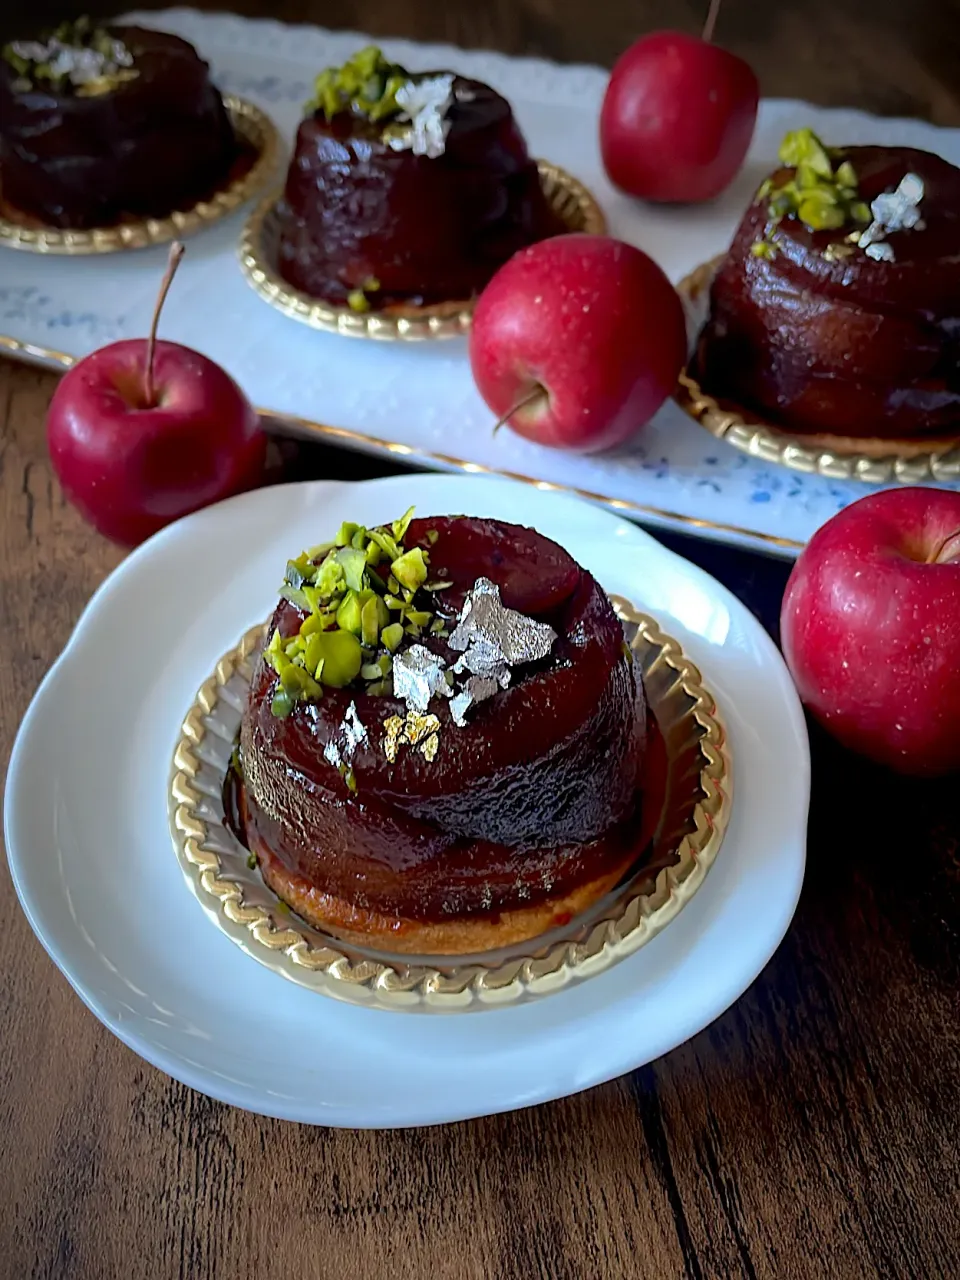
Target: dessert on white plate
(89,848)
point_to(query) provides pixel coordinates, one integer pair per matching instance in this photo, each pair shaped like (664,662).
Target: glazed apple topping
(412,108)
(77,55)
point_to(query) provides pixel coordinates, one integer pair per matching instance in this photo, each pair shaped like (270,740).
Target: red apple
(871,628)
(577,341)
(143,432)
(677,117)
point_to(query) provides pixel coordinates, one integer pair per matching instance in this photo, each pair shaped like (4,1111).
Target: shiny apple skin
(677,118)
(596,324)
(130,469)
(870,627)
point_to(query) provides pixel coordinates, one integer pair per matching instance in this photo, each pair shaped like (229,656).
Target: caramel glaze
(428,229)
(538,793)
(850,347)
(154,144)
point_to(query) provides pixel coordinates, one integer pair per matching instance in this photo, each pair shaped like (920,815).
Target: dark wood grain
(813,1131)
(888,56)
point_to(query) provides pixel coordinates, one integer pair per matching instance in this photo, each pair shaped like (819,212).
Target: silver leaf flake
(77,63)
(424,104)
(490,635)
(352,734)
(354,731)
(893,211)
(417,676)
(492,639)
(476,689)
(880,251)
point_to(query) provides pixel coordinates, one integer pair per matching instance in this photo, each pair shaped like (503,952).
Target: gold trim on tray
(250,123)
(873,460)
(568,197)
(234,896)
(306,429)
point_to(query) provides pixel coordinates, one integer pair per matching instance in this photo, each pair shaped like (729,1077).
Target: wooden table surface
(812,1131)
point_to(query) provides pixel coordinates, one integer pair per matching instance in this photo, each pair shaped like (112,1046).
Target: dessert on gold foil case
(453,749)
(114,137)
(404,195)
(831,324)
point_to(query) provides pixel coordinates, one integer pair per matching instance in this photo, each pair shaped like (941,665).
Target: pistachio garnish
(822,192)
(412,108)
(358,299)
(361,595)
(77,56)
(366,84)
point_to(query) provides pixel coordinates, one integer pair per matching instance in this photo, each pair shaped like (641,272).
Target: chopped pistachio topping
(367,85)
(77,56)
(361,596)
(412,108)
(822,194)
(359,299)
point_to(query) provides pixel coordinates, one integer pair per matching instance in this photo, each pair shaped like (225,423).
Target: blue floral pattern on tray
(31,305)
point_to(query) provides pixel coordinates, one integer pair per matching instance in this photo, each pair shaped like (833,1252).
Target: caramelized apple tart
(445,738)
(837,308)
(406,188)
(98,124)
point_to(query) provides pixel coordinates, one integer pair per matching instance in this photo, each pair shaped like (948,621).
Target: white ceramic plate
(89,849)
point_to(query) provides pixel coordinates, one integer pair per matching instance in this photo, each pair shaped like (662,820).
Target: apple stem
(538,393)
(948,550)
(711,21)
(173,261)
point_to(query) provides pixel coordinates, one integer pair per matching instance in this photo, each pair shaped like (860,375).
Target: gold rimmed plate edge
(287,424)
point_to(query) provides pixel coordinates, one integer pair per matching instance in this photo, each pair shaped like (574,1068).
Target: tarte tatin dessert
(404,188)
(837,309)
(102,123)
(446,740)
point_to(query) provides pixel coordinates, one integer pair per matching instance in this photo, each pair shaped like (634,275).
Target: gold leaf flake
(415,728)
(393,727)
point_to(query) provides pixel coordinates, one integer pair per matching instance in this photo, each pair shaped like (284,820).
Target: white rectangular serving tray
(417,403)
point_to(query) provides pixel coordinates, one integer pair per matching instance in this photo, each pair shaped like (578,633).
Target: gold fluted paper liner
(694,817)
(251,126)
(568,197)
(874,460)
